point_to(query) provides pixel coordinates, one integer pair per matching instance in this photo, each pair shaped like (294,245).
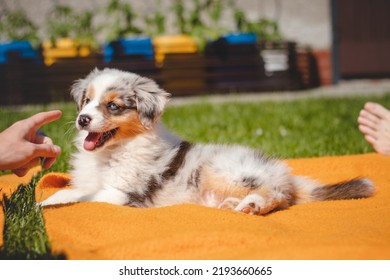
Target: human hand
(21,147)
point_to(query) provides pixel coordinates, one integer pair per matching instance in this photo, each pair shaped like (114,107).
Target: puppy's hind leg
(256,204)
(250,198)
(229,203)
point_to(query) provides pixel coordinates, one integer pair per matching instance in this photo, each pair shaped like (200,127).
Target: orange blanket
(354,229)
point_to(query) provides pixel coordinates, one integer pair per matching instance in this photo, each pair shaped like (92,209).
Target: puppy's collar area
(98,139)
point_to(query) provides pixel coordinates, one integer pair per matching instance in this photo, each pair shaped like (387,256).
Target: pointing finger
(40,119)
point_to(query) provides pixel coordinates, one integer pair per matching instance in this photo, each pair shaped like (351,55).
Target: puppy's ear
(150,100)
(79,88)
(78,92)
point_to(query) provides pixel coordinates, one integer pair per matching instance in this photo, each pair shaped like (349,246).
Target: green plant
(64,22)
(85,30)
(61,22)
(194,21)
(265,29)
(215,9)
(181,23)
(16,26)
(195,26)
(122,23)
(155,22)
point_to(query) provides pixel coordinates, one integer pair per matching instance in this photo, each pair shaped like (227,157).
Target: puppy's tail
(308,190)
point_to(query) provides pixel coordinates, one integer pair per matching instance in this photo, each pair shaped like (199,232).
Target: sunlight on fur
(125,156)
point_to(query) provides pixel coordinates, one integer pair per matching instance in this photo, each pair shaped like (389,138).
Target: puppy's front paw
(61,197)
(229,203)
(44,203)
(252,204)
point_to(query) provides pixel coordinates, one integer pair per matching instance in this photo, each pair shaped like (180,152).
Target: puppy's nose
(84,120)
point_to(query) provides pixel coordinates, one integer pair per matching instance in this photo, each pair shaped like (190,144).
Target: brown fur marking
(126,120)
(129,125)
(211,183)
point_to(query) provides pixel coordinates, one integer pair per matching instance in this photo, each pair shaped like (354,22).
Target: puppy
(126,157)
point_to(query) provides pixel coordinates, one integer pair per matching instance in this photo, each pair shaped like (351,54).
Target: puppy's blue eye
(113,107)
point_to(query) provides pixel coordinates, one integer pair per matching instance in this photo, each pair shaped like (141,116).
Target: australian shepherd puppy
(126,157)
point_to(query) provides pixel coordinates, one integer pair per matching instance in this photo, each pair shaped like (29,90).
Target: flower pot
(324,64)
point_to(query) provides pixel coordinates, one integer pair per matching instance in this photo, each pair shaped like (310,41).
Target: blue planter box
(24,49)
(141,46)
(241,38)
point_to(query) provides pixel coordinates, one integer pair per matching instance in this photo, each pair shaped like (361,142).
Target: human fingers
(48,162)
(36,121)
(367,115)
(371,140)
(46,150)
(21,171)
(42,139)
(366,122)
(376,109)
(366,130)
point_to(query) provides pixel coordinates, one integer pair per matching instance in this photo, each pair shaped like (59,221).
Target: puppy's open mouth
(98,139)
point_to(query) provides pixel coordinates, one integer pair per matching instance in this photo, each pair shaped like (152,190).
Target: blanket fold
(352,229)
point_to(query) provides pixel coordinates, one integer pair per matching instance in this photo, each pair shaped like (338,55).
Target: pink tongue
(91,140)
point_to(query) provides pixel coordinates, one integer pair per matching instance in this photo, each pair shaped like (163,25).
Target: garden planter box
(240,38)
(21,74)
(61,74)
(233,63)
(63,48)
(280,64)
(173,44)
(125,48)
(134,54)
(66,61)
(181,67)
(23,48)
(183,74)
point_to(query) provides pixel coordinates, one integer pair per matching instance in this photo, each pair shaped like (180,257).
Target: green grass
(24,229)
(62,131)
(300,128)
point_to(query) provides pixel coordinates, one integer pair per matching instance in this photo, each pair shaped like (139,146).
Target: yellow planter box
(63,48)
(173,44)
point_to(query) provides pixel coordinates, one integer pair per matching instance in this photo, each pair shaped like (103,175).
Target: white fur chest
(126,167)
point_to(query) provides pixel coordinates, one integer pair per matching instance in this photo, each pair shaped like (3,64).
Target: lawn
(301,128)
